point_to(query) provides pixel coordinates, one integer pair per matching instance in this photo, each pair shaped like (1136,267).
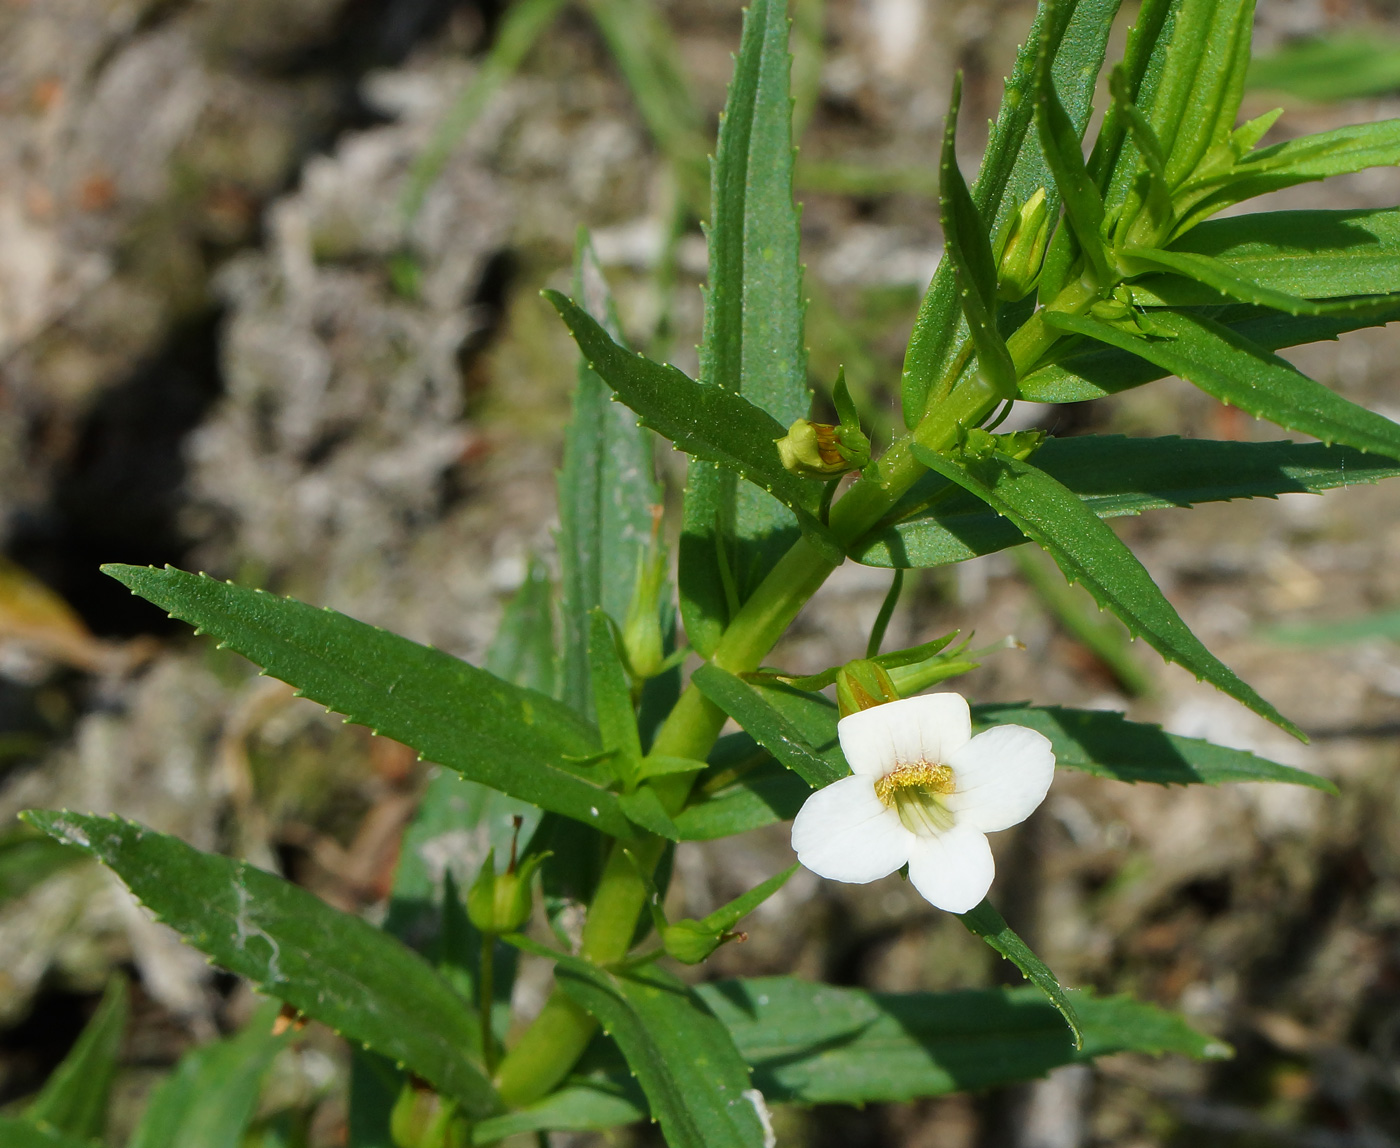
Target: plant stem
(486,994)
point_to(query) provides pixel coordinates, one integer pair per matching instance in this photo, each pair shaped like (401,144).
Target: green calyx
(643,643)
(862,685)
(422,1119)
(1022,249)
(500,903)
(823,450)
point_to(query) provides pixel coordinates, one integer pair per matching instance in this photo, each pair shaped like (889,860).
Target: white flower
(926,792)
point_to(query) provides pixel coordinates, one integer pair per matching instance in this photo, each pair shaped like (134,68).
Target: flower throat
(916,793)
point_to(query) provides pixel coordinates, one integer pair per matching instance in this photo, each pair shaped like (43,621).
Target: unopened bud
(690,942)
(422,1119)
(1023,252)
(862,685)
(820,450)
(642,638)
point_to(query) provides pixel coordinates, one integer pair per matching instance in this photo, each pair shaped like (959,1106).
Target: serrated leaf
(1093,370)
(743,788)
(330,965)
(1313,254)
(1114,475)
(612,700)
(607,488)
(985,922)
(516,740)
(753,341)
(74,1098)
(212,1095)
(969,249)
(753,709)
(695,1081)
(1221,278)
(1083,546)
(706,421)
(820,1044)
(1340,151)
(1105,744)
(1231,368)
(1013,167)
(22,1134)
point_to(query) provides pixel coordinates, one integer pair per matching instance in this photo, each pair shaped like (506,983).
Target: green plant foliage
(74,1098)
(21,1134)
(212,1096)
(330,965)
(817,1044)
(581,1106)
(28,859)
(985,922)
(753,343)
(1231,368)
(696,1083)
(516,740)
(1342,67)
(742,789)
(940,523)
(1083,546)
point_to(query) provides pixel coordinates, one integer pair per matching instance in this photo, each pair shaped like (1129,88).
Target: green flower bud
(422,1119)
(820,450)
(690,942)
(1023,250)
(500,902)
(862,684)
(642,639)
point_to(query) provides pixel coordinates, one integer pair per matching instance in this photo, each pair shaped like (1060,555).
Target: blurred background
(269,276)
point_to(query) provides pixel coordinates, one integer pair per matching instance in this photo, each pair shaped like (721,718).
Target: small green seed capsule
(500,903)
(1023,251)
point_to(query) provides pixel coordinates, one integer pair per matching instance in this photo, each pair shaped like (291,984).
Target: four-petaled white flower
(925,792)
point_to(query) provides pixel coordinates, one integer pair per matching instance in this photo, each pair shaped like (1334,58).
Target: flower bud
(642,639)
(820,450)
(690,942)
(500,902)
(862,684)
(422,1119)
(1023,252)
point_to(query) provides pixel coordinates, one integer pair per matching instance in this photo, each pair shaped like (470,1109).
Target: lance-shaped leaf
(753,708)
(1337,152)
(1336,67)
(820,1044)
(709,422)
(1060,143)
(582,1105)
(1221,278)
(695,1081)
(1312,254)
(1075,35)
(22,1134)
(969,248)
(1114,161)
(516,740)
(941,523)
(74,1098)
(607,489)
(612,699)
(743,788)
(753,344)
(1093,370)
(1083,546)
(1236,371)
(985,922)
(328,964)
(212,1096)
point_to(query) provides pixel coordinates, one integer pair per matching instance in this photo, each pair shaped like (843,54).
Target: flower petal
(929,728)
(1002,775)
(845,833)
(953,870)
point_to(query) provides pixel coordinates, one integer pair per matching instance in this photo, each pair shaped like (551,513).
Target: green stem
(486,994)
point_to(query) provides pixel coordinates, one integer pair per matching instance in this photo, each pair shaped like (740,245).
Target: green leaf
(1093,370)
(1232,369)
(580,1106)
(706,421)
(516,740)
(27,859)
(1342,67)
(74,1098)
(1075,36)
(523,652)
(753,708)
(1114,160)
(744,788)
(643,807)
(212,1096)
(1107,745)
(985,922)
(607,488)
(1340,151)
(819,1044)
(969,249)
(330,965)
(940,523)
(1313,254)
(1221,278)
(753,344)
(612,699)
(731,913)
(695,1081)
(21,1134)
(1083,546)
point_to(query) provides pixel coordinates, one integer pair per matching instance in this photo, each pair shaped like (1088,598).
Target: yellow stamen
(915,792)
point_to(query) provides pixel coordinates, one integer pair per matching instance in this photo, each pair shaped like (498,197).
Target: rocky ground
(225,344)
